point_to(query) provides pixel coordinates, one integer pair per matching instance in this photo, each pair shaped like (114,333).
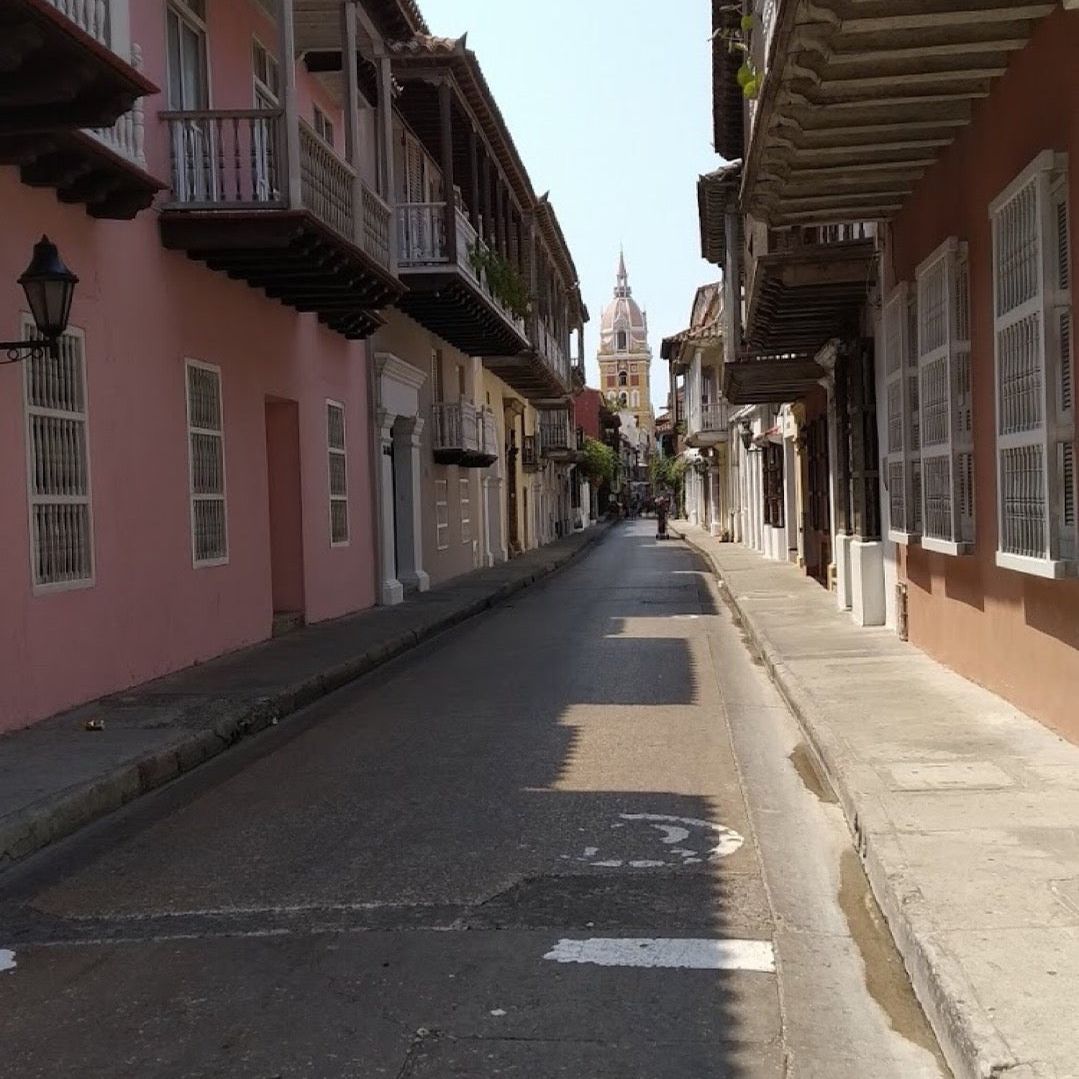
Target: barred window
(442,514)
(1034,371)
(61,532)
(206,447)
(465,494)
(945,476)
(902,458)
(338,473)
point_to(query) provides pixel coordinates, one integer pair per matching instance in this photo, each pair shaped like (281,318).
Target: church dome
(623,325)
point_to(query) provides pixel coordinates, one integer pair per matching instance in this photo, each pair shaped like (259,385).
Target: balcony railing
(707,418)
(546,343)
(421,241)
(127,137)
(456,427)
(93,16)
(800,238)
(554,432)
(228,159)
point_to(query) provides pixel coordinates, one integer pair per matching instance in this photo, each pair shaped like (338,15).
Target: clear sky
(609,103)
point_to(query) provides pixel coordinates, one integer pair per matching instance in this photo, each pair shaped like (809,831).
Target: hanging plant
(738,40)
(506,284)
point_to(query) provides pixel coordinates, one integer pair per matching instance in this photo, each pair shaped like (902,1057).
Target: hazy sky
(609,103)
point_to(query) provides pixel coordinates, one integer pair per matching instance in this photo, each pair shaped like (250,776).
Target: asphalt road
(570,838)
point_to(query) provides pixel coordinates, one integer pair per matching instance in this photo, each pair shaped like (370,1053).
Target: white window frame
(28,331)
(337,452)
(900,414)
(1050,306)
(193,498)
(442,514)
(272,66)
(951,353)
(464,494)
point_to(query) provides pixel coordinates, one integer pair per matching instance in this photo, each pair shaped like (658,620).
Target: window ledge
(1054,569)
(948,547)
(905,539)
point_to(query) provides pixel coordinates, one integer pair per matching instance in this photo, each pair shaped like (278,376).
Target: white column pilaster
(391,590)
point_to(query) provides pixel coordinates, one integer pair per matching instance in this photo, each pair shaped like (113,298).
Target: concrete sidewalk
(965,811)
(57,776)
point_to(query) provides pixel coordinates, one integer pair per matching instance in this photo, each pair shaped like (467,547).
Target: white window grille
(465,493)
(61,524)
(945,427)
(442,514)
(1034,371)
(206,447)
(338,473)
(902,465)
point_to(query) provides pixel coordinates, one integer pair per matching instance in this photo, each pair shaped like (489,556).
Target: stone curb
(971,1043)
(50,819)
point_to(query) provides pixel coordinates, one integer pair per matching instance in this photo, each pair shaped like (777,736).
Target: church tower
(625,360)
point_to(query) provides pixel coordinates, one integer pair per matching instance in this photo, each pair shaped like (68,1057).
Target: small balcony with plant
(286,205)
(71,98)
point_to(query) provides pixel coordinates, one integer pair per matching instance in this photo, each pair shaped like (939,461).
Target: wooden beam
(922,20)
(445,115)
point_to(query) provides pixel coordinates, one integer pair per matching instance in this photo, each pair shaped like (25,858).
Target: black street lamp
(746,434)
(49,286)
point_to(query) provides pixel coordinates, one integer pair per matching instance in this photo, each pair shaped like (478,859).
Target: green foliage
(599,462)
(668,472)
(502,278)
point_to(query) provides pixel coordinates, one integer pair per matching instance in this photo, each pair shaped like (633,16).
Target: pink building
(297,371)
(194,469)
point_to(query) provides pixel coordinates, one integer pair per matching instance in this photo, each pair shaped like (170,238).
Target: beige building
(625,358)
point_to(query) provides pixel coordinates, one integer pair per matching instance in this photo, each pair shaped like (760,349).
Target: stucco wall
(413,344)
(144,310)
(1016,634)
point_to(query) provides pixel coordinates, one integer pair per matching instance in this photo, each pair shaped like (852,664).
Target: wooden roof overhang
(449,302)
(860,97)
(55,76)
(768,378)
(800,299)
(293,257)
(83,170)
(425,58)
(728,102)
(717,195)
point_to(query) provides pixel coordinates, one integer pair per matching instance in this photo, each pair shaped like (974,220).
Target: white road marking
(647,863)
(7,959)
(667,953)
(498,1012)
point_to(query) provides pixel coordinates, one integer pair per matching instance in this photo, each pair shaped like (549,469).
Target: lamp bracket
(18,350)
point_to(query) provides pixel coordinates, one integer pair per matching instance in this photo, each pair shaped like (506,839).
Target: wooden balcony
(321,244)
(463,434)
(857,101)
(706,425)
(541,370)
(446,292)
(760,378)
(103,168)
(558,441)
(59,70)
(806,285)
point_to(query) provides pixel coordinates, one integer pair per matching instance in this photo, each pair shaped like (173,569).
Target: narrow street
(510,853)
